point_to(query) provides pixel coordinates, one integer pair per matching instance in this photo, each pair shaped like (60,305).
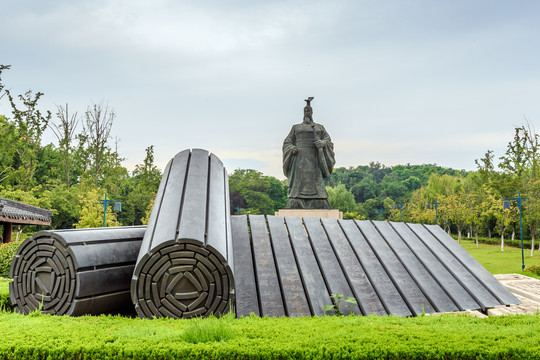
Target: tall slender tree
(98,121)
(65,132)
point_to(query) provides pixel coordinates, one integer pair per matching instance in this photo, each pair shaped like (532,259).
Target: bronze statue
(308,158)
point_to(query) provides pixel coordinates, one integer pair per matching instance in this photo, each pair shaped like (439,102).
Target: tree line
(462,202)
(71,176)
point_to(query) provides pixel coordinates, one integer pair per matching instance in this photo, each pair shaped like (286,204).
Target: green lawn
(501,262)
(352,337)
(423,337)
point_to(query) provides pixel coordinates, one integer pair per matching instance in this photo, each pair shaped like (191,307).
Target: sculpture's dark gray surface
(184,266)
(308,158)
(76,272)
(390,268)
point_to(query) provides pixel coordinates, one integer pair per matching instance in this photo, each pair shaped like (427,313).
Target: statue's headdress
(308,101)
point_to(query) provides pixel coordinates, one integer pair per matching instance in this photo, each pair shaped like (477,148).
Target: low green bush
(5,302)
(535,269)
(7,252)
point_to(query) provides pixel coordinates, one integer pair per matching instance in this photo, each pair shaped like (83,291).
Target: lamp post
(398,206)
(379,211)
(436,204)
(506,205)
(106,202)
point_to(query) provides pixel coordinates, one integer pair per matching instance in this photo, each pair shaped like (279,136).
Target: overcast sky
(394,81)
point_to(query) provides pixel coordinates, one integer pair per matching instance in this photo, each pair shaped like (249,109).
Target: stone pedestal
(316,213)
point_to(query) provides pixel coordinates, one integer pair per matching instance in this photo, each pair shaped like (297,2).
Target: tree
(2,68)
(92,211)
(144,220)
(458,210)
(138,190)
(490,205)
(365,189)
(253,190)
(340,198)
(532,209)
(504,219)
(98,121)
(486,168)
(147,173)
(65,132)
(7,147)
(30,124)
(7,136)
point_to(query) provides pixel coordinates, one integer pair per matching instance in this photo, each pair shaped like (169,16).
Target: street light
(379,211)
(436,204)
(398,206)
(117,206)
(506,206)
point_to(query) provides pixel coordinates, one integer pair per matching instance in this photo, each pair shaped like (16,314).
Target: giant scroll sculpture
(184,267)
(75,272)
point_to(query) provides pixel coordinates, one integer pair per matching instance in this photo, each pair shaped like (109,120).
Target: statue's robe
(306,170)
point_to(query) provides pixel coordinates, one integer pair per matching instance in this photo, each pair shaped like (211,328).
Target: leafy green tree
(490,206)
(47,171)
(486,168)
(340,198)
(531,208)
(147,173)
(92,211)
(255,192)
(8,140)
(365,189)
(30,124)
(504,219)
(66,204)
(139,190)
(144,220)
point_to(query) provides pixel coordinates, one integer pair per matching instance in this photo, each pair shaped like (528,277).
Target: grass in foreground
(350,337)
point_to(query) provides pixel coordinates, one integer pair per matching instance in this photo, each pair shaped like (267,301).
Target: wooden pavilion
(14,212)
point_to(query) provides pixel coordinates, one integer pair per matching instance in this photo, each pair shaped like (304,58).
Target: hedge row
(5,302)
(497,241)
(425,337)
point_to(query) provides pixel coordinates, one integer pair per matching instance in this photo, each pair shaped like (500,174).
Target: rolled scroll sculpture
(184,266)
(76,272)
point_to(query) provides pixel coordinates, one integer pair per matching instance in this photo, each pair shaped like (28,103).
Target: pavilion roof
(19,213)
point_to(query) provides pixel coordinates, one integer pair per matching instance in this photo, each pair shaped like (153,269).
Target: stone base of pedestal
(316,213)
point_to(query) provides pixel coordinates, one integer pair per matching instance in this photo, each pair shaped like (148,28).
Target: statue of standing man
(308,158)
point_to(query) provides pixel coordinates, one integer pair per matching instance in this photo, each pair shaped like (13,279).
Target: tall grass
(209,329)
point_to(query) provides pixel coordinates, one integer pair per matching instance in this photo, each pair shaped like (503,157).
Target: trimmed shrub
(497,241)
(535,269)
(7,252)
(5,302)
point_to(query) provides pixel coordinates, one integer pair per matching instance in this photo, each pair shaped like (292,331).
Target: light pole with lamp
(106,202)
(379,211)
(506,205)
(436,204)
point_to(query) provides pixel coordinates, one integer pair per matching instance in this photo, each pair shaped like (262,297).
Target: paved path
(525,288)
